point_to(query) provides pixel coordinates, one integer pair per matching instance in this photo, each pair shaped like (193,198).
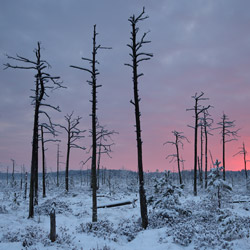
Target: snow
(177,219)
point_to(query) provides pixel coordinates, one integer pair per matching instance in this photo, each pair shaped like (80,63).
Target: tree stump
(53,223)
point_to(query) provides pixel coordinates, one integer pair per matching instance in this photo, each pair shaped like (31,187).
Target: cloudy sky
(198,45)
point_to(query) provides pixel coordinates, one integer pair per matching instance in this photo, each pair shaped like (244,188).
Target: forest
(203,206)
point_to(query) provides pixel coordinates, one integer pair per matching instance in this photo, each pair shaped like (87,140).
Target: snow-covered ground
(177,219)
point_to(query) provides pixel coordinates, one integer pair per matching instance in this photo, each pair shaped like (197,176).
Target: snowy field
(177,219)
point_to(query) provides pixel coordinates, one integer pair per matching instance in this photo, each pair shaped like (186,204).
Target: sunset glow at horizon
(198,46)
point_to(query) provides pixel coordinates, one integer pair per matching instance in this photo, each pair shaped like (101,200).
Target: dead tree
(13,173)
(244,153)
(137,57)
(46,129)
(58,155)
(42,80)
(73,135)
(104,144)
(197,111)
(206,125)
(228,135)
(179,137)
(93,83)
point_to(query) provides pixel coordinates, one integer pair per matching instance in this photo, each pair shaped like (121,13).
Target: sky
(198,45)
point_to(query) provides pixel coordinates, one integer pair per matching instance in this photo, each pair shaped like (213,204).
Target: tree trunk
(43,162)
(67,165)
(205,128)
(34,161)
(201,161)
(143,202)
(245,161)
(223,150)
(53,225)
(57,167)
(195,147)
(93,164)
(178,160)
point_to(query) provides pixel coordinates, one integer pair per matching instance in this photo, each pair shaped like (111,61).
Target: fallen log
(239,201)
(118,204)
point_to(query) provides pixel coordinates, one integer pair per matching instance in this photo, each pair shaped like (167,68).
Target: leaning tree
(228,134)
(43,82)
(137,57)
(73,135)
(93,83)
(243,152)
(179,137)
(198,109)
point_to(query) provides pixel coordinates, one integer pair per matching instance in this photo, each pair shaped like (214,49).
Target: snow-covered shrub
(64,237)
(128,228)
(233,227)
(183,234)
(45,208)
(29,236)
(218,189)
(166,206)
(105,247)
(3,209)
(102,228)
(166,194)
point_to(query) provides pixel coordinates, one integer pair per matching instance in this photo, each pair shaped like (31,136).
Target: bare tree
(93,83)
(228,135)
(42,80)
(198,109)
(104,144)
(58,155)
(73,135)
(179,137)
(244,153)
(206,125)
(46,129)
(13,173)
(137,57)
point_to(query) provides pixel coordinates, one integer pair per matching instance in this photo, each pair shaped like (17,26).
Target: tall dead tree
(179,137)
(228,135)
(137,57)
(198,109)
(42,80)
(93,83)
(73,135)
(244,153)
(206,124)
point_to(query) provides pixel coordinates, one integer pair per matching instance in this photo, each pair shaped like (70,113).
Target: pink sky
(197,46)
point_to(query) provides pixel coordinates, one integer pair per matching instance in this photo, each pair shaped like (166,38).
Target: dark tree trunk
(178,159)
(206,142)
(34,162)
(53,225)
(43,163)
(143,202)
(67,162)
(25,185)
(57,166)
(223,149)
(195,146)
(93,164)
(201,161)
(245,161)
